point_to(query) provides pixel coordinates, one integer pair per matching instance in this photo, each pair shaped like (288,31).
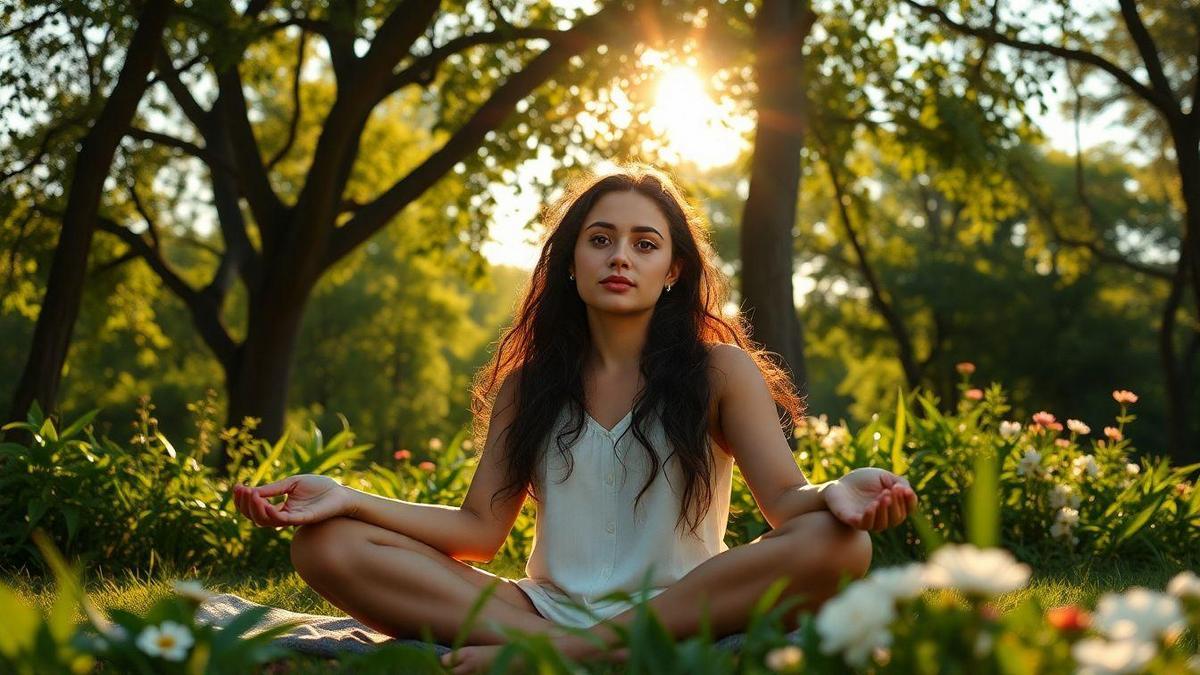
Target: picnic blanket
(329,636)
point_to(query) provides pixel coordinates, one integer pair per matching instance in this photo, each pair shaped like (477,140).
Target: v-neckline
(601,426)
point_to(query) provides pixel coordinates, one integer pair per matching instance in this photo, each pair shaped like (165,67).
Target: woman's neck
(617,341)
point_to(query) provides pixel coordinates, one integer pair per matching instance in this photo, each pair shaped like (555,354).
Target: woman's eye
(601,240)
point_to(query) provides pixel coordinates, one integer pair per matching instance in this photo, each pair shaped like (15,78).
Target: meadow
(1040,545)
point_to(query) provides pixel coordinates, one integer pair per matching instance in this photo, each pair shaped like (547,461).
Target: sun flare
(694,126)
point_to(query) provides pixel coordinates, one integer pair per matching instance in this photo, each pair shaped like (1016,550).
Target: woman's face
(624,235)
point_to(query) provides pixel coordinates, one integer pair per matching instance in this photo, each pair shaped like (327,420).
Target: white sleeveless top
(588,539)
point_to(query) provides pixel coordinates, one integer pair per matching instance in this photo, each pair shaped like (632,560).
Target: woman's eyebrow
(636,228)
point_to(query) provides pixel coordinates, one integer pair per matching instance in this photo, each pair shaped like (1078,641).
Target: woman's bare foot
(473,659)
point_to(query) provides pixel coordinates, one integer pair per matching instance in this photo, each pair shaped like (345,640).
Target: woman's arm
(867,498)
(312,499)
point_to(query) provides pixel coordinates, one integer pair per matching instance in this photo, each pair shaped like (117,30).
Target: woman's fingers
(868,518)
(277,488)
(265,518)
(881,511)
(897,511)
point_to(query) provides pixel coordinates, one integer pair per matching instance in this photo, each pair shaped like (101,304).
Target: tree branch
(1148,50)
(1079,55)
(183,96)
(205,313)
(296,110)
(214,161)
(253,181)
(32,23)
(611,23)
(423,69)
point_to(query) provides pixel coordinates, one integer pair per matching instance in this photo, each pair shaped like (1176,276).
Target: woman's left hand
(870,499)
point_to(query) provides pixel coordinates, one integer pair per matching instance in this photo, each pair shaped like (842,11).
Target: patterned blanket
(329,636)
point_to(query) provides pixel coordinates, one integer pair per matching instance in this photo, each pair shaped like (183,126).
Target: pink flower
(1055,426)
(1068,618)
(974,394)
(402,455)
(965,368)
(1124,396)
(1043,418)
(1062,442)
(427,466)
(1113,433)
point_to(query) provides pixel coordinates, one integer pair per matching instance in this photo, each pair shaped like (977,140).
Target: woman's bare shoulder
(724,359)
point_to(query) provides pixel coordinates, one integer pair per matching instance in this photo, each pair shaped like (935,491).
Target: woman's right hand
(310,499)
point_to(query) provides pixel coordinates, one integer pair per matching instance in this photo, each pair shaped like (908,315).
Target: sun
(693,126)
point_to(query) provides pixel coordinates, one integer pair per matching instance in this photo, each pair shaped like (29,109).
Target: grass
(1080,584)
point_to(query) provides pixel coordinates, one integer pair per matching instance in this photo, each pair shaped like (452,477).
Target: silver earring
(572,276)
(668,288)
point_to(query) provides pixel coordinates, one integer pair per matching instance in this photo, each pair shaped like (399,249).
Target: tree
(287,237)
(60,307)
(1147,55)
(769,214)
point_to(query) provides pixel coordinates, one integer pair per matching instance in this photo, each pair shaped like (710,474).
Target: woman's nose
(618,258)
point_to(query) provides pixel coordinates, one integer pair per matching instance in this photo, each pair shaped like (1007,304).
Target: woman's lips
(616,286)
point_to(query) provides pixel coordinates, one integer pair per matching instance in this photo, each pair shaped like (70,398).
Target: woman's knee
(840,549)
(323,549)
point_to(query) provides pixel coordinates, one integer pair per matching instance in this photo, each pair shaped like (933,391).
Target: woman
(618,397)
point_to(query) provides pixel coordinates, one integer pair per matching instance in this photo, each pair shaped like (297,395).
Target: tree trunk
(769,214)
(259,375)
(64,289)
(1184,447)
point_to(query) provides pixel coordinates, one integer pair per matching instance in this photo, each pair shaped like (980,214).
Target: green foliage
(54,643)
(1145,509)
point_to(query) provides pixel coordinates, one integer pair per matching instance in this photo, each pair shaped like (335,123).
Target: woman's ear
(673,274)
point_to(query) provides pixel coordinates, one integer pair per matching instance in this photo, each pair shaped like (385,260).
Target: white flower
(1079,427)
(168,640)
(1184,585)
(1009,430)
(435,443)
(1030,462)
(837,437)
(900,583)
(192,590)
(1064,525)
(1101,657)
(976,571)
(1087,463)
(819,425)
(784,658)
(1138,614)
(1132,469)
(1064,495)
(855,622)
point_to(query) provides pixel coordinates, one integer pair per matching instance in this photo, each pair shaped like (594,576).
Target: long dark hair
(549,338)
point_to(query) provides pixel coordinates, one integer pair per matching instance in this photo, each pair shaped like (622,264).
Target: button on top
(611,527)
(609,479)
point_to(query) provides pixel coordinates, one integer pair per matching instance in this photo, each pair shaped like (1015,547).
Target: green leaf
(983,503)
(48,431)
(899,460)
(166,444)
(1139,521)
(21,622)
(71,515)
(34,510)
(79,424)
(270,459)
